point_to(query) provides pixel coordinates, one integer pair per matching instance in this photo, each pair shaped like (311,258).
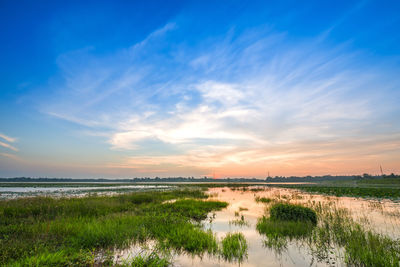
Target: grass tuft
(291,212)
(234,247)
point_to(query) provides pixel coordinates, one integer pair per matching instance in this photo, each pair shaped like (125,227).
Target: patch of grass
(382,181)
(278,232)
(291,229)
(263,199)
(286,222)
(234,247)
(151,260)
(377,192)
(291,212)
(336,231)
(239,222)
(361,247)
(44,231)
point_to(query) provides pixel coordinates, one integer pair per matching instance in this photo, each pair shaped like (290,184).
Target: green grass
(286,221)
(263,199)
(234,247)
(362,247)
(239,222)
(151,260)
(377,192)
(279,232)
(44,231)
(291,212)
(383,181)
(336,230)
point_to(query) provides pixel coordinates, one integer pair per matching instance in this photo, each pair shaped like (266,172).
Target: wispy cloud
(10,156)
(8,146)
(8,138)
(242,99)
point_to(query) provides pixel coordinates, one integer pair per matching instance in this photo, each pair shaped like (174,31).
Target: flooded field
(135,225)
(245,209)
(65,190)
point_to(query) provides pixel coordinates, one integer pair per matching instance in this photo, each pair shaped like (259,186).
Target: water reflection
(379,216)
(56,191)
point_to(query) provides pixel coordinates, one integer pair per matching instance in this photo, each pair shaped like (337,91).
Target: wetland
(195,225)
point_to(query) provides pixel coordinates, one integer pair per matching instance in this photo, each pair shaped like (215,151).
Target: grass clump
(362,247)
(234,247)
(291,212)
(151,260)
(263,199)
(286,221)
(239,222)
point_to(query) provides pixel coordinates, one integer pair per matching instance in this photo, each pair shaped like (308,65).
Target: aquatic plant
(234,247)
(239,222)
(378,192)
(291,212)
(263,199)
(45,231)
(151,260)
(336,231)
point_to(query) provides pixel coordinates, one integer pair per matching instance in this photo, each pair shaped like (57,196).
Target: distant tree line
(276,179)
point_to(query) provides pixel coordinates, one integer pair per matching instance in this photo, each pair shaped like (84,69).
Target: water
(67,190)
(379,216)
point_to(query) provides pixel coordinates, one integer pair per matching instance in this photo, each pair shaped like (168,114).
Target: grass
(362,247)
(234,247)
(151,260)
(286,221)
(335,231)
(239,222)
(377,192)
(263,199)
(291,212)
(383,181)
(44,231)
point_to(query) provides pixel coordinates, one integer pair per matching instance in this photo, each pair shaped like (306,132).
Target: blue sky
(171,88)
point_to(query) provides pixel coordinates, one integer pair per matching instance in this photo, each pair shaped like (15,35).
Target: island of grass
(286,221)
(43,231)
(234,247)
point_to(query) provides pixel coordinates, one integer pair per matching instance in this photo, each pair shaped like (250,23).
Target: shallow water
(14,192)
(380,216)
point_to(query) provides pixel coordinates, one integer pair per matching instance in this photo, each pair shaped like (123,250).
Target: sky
(121,89)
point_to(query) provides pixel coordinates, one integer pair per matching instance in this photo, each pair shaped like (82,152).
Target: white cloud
(8,138)
(232,102)
(8,146)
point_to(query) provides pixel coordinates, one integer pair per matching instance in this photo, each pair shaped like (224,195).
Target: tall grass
(291,212)
(234,247)
(336,230)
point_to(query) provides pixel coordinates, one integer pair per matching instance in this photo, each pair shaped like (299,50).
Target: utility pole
(381,169)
